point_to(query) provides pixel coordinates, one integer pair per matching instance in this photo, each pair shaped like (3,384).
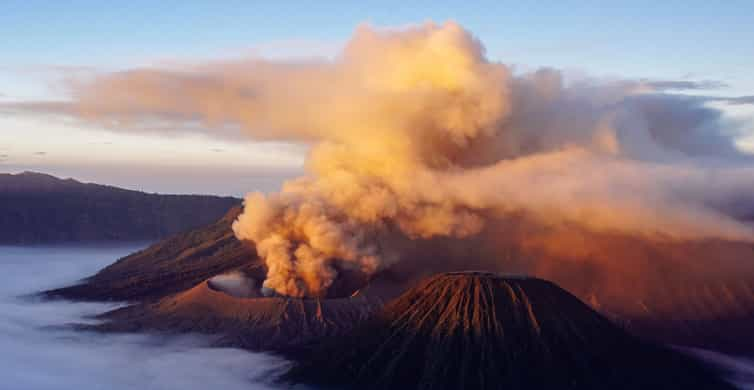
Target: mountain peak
(487,331)
(34,173)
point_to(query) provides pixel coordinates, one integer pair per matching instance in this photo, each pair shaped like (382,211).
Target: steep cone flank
(482,331)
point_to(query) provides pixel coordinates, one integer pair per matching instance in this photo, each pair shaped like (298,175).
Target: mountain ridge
(37,208)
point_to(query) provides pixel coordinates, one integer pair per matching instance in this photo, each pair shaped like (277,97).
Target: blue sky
(637,38)
(672,40)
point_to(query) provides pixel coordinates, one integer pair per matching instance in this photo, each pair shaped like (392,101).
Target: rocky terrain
(483,331)
(41,209)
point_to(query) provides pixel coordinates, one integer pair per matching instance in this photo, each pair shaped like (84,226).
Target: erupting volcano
(427,157)
(415,136)
(527,197)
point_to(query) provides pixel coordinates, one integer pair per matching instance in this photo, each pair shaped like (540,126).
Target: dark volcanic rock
(172,265)
(715,314)
(482,331)
(38,209)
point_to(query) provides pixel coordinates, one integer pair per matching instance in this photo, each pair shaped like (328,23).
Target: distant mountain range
(37,208)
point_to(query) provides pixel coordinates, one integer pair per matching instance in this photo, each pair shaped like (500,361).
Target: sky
(47,42)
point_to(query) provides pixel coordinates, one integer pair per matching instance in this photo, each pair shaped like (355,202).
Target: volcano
(277,323)
(475,330)
(687,307)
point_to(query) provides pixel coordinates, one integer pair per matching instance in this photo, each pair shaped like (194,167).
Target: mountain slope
(482,331)
(37,209)
(171,265)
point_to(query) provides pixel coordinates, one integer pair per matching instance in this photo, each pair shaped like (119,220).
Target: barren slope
(169,266)
(482,331)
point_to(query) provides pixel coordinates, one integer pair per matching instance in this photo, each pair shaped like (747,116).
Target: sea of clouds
(39,352)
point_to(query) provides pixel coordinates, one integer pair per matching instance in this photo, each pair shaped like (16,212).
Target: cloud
(739,370)
(236,284)
(732,100)
(66,111)
(38,107)
(40,354)
(687,125)
(50,68)
(672,85)
(416,135)
(739,100)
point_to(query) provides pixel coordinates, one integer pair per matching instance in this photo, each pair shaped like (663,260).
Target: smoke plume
(234,283)
(415,135)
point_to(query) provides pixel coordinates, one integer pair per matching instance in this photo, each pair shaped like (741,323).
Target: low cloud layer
(39,354)
(739,100)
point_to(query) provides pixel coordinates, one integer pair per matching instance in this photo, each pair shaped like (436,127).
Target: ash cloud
(415,135)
